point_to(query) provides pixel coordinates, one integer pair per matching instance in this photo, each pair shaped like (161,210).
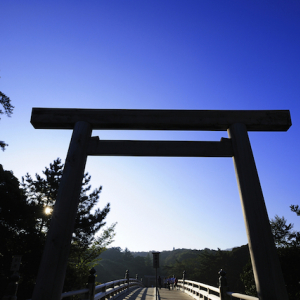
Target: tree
(290,264)
(296,235)
(8,109)
(287,242)
(18,234)
(127,256)
(13,206)
(296,209)
(81,259)
(114,262)
(282,232)
(25,223)
(42,193)
(247,277)
(204,265)
(148,260)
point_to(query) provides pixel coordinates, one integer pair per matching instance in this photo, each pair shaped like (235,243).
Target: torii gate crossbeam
(267,272)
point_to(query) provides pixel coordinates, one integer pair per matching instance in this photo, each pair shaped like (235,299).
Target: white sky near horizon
(157,55)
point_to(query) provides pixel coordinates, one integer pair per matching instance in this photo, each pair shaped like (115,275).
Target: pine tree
(8,109)
(42,192)
(296,209)
(25,219)
(85,248)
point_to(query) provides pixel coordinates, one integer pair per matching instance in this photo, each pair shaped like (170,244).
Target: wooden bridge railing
(107,290)
(199,290)
(113,289)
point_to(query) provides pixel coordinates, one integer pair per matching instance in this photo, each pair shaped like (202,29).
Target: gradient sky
(134,54)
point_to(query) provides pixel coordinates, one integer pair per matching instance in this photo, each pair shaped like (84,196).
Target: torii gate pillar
(265,263)
(53,265)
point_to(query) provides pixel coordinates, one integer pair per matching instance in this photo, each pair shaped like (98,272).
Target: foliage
(283,234)
(290,264)
(82,260)
(247,277)
(296,209)
(42,193)
(114,262)
(5,102)
(205,265)
(8,109)
(18,232)
(200,265)
(24,226)
(288,250)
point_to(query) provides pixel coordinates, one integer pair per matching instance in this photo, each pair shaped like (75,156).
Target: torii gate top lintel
(151,119)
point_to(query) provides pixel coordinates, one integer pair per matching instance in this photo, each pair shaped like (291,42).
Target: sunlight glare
(48,210)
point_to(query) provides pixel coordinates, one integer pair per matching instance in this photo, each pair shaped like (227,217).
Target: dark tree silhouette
(8,109)
(24,223)
(287,242)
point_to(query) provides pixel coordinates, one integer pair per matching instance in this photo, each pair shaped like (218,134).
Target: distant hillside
(200,265)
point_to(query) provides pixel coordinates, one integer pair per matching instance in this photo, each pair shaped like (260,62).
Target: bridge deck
(165,294)
(139,294)
(149,294)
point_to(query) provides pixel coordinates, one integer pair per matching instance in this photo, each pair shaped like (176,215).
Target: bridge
(133,289)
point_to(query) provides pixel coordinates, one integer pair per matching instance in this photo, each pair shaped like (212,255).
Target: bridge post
(266,267)
(53,265)
(12,287)
(91,284)
(127,277)
(222,285)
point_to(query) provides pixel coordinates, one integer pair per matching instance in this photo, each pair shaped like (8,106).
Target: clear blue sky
(157,55)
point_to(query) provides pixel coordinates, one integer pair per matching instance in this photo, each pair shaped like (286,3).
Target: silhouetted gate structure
(267,272)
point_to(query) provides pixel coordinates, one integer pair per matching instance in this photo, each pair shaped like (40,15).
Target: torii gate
(267,271)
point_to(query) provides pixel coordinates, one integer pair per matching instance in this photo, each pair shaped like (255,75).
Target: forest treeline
(200,265)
